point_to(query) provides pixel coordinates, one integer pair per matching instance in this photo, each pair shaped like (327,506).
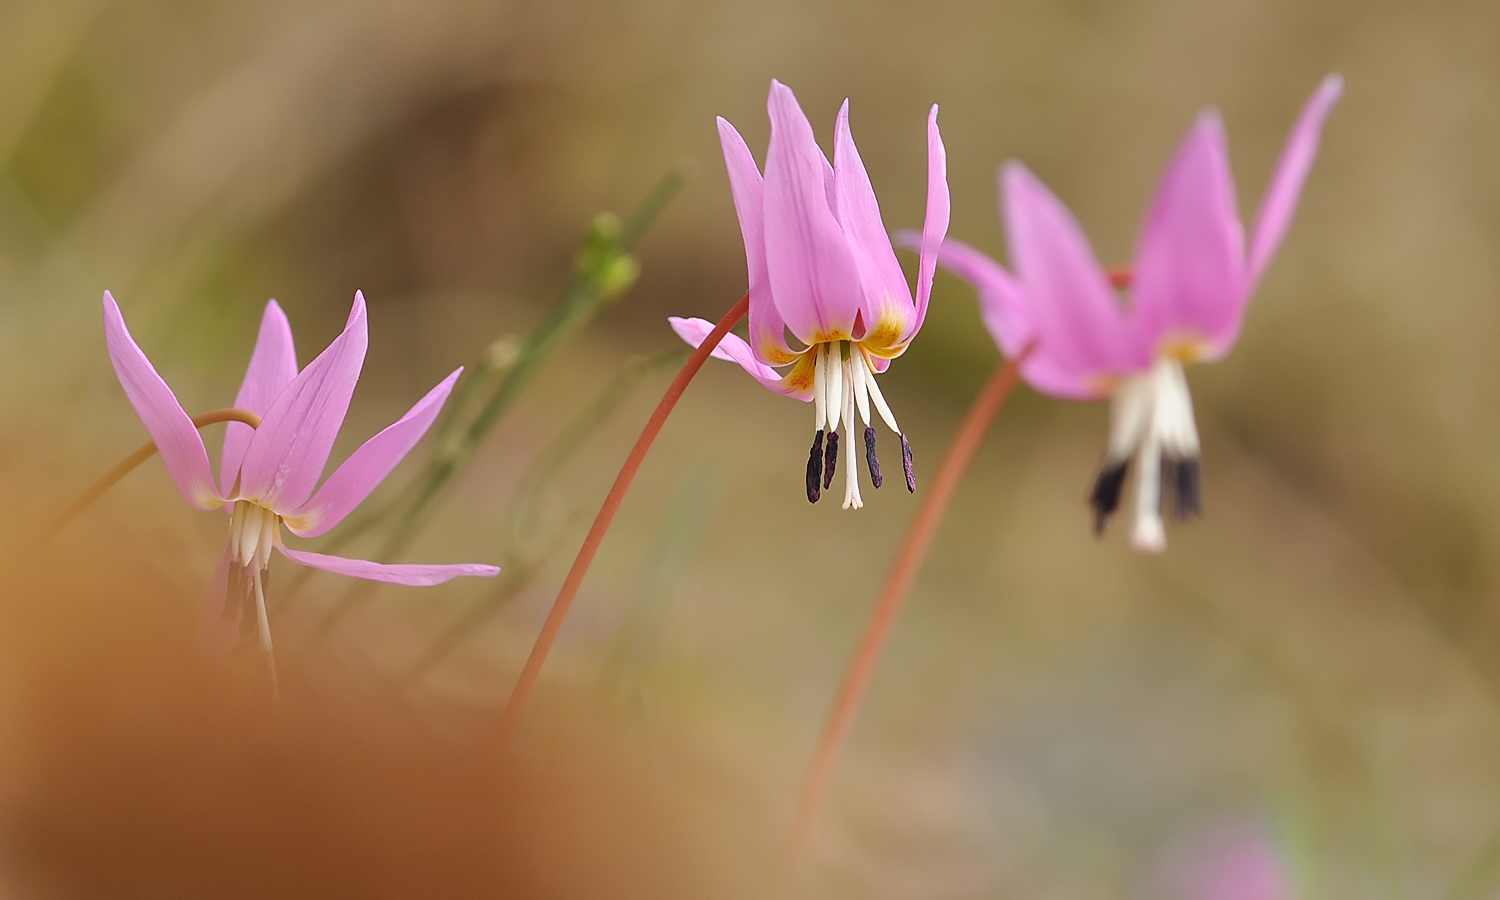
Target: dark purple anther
(233,592)
(870,458)
(1187,498)
(831,460)
(911,477)
(1105,498)
(815,468)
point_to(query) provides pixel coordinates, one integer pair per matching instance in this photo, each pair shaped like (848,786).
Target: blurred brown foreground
(132,765)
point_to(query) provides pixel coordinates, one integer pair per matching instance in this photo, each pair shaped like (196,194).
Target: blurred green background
(1054,712)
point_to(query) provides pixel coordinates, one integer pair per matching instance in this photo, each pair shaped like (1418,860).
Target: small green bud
(503,352)
(598,244)
(618,275)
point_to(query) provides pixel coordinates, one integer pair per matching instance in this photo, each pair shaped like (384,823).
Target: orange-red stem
(550,628)
(903,571)
(126,466)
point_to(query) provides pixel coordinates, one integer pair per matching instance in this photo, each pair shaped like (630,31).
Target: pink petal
(1286,184)
(1075,311)
(814,281)
(217,634)
(273,365)
(935,225)
(1189,286)
(767,331)
(176,439)
(1006,312)
(286,456)
(366,467)
(412,575)
(734,349)
(887,298)
(1001,301)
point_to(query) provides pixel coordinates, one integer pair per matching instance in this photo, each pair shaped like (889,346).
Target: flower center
(252,532)
(1151,418)
(843,384)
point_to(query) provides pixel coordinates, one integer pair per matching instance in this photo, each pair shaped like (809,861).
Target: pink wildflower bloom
(1192,278)
(822,267)
(268,475)
(1233,860)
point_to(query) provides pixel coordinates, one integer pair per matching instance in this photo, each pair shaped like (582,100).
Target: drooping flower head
(1183,302)
(822,267)
(268,476)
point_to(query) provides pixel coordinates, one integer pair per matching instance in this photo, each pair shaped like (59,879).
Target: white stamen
(835,370)
(860,374)
(1149,534)
(1175,424)
(270,525)
(820,388)
(851,468)
(1151,416)
(236,529)
(878,399)
(1130,414)
(250,533)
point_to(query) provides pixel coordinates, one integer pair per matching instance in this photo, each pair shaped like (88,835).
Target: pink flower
(268,475)
(821,266)
(1186,300)
(1230,860)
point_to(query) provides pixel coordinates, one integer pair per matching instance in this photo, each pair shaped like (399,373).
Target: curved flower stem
(903,571)
(145,452)
(553,624)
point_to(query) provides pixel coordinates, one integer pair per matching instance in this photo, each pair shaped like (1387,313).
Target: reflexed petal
(814,281)
(935,225)
(286,456)
(1001,301)
(1075,311)
(403,573)
(887,298)
(1007,314)
(734,349)
(366,467)
(273,365)
(767,331)
(1189,284)
(1286,184)
(176,439)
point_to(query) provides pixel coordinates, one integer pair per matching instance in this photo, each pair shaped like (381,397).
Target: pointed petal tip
(1210,120)
(1333,85)
(1015,171)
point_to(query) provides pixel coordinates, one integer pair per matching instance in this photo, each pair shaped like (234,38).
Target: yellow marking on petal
(304,522)
(884,337)
(771,351)
(800,378)
(1184,347)
(828,337)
